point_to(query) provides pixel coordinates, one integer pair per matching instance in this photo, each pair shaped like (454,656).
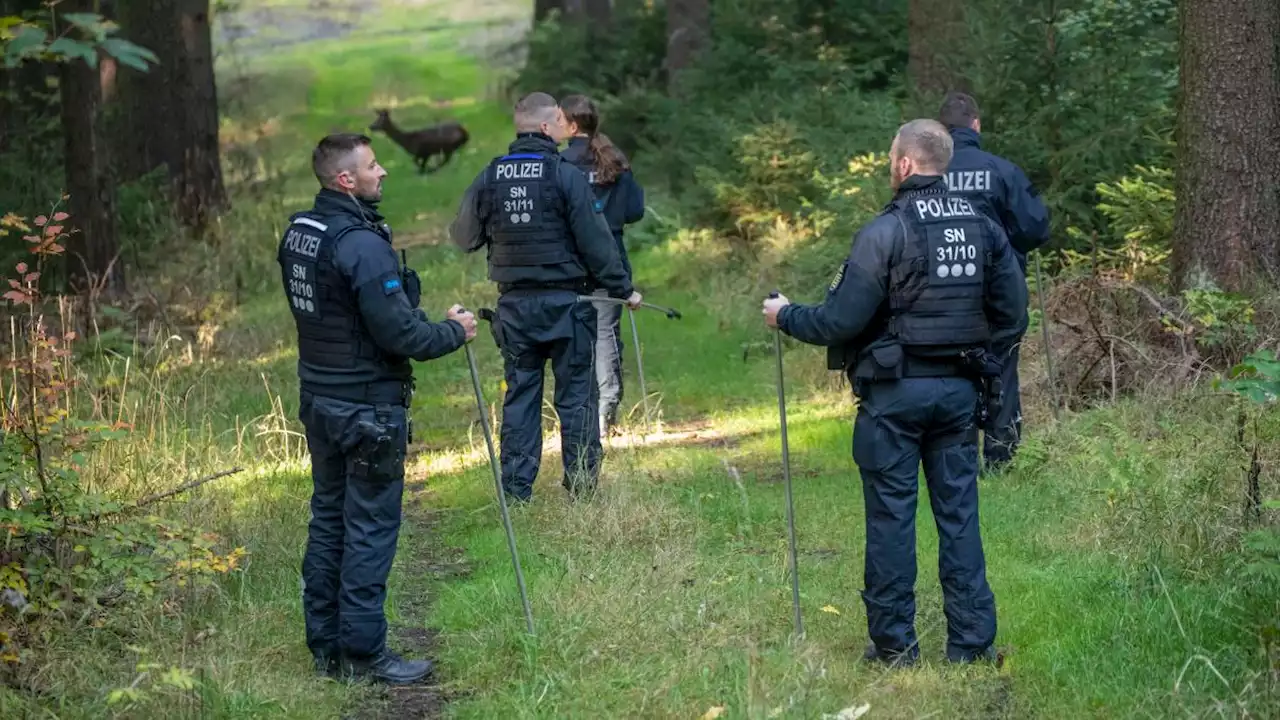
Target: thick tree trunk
(688,32)
(936,39)
(140,134)
(199,170)
(1227,223)
(93,249)
(169,115)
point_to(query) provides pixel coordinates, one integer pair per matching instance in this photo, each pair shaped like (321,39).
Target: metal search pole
(1044,327)
(786,481)
(497,482)
(644,393)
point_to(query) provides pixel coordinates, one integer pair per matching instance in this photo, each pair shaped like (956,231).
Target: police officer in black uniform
(358,322)
(1003,192)
(547,244)
(929,297)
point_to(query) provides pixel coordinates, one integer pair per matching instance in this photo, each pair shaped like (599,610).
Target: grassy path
(669,596)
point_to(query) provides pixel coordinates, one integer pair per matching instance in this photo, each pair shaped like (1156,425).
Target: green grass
(1112,544)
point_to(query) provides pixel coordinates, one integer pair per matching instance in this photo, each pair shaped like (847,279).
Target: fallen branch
(157,497)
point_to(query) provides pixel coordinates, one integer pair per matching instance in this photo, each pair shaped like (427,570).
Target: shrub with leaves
(66,548)
(39,37)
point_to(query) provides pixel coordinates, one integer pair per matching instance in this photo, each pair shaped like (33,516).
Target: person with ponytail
(621,199)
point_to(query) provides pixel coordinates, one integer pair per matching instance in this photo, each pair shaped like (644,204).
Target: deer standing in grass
(443,139)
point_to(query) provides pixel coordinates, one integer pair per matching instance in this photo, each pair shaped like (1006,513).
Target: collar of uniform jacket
(917,183)
(534,142)
(965,137)
(332,202)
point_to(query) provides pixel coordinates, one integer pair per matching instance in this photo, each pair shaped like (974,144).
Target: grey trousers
(608,360)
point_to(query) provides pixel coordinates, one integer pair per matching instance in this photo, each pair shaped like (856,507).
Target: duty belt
(582,287)
(386,392)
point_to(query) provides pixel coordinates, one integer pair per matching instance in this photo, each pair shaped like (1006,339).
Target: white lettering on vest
(519,191)
(950,207)
(969,180)
(519,171)
(302,243)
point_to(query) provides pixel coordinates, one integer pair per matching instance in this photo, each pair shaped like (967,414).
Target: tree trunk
(936,38)
(169,115)
(93,249)
(198,165)
(688,32)
(140,134)
(1227,222)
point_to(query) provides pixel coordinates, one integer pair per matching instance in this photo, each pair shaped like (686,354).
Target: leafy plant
(84,37)
(66,545)
(1256,378)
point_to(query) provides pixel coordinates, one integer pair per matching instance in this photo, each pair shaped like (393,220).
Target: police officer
(547,244)
(358,324)
(621,199)
(929,291)
(1006,195)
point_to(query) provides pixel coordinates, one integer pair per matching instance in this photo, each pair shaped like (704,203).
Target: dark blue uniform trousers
(1004,430)
(537,325)
(899,424)
(355,521)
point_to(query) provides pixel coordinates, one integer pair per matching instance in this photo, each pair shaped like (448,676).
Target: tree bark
(169,115)
(936,36)
(688,33)
(93,249)
(196,153)
(1227,222)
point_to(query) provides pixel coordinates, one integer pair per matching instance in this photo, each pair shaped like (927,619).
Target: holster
(377,454)
(984,368)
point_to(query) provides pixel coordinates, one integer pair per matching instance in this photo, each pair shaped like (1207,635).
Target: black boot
(387,667)
(990,655)
(900,659)
(327,665)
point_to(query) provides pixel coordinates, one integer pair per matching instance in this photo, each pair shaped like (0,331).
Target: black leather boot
(902,659)
(387,667)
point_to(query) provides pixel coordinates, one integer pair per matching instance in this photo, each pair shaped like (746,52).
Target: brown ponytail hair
(607,160)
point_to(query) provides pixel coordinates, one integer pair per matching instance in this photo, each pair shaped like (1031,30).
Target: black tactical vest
(937,289)
(330,331)
(527,212)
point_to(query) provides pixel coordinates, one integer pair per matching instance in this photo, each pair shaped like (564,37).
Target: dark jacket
(855,310)
(365,258)
(594,252)
(1004,190)
(622,200)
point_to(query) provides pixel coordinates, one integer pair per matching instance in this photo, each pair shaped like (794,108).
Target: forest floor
(669,595)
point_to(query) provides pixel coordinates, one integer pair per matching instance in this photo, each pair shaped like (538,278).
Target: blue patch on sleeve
(598,205)
(391,287)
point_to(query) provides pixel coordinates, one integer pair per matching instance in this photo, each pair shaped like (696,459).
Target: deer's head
(382,122)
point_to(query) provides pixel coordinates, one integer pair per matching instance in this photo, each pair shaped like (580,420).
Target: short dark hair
(958,110)
(333,155)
